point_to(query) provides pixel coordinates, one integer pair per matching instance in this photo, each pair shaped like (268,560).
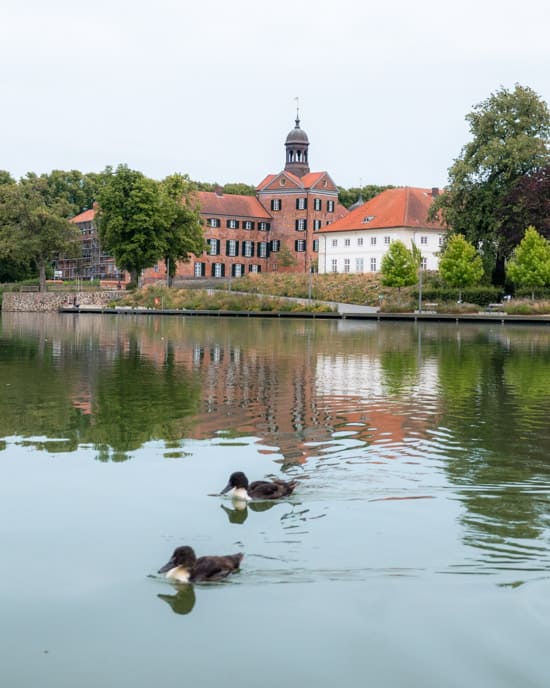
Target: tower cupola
(297,144)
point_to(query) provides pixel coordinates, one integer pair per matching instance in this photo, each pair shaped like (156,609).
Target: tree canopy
(183,232)
(530,262)
(460,265)
(527,203)
(399,266)
(348,197)
(131,220)
(34,227)
(510,139)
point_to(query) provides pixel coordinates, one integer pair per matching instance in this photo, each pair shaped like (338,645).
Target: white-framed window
(330,206)
(347,242)
(275,245)
(248,249)
(424,240)
(373,264)
(316,245)
(316,225)
(275,204)
(231,248)
(247,224)
(301,203)
(213,250)
(254,268)
(262,249)
(359,265)
(263,226)
(387,240)
(217,269)
(198,270)
(334,265)
(232,224)
(300,245)
(213,222)
(440,239)
(334,243)
(237,269)
(346,264)
(424,263)
(301,225)
(359,241)
(317,204)
(373,241)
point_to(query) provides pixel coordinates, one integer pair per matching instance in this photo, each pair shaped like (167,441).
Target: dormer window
(368,218)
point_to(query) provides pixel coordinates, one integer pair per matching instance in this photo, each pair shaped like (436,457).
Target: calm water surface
(415,551)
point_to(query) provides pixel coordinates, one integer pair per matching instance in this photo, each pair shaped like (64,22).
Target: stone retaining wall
(37,302)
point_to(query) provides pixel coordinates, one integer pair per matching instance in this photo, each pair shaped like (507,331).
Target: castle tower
(296,145)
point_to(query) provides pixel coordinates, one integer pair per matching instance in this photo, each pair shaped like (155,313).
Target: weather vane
(297,99)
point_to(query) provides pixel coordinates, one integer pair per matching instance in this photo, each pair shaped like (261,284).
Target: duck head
(179,567)
(237,486)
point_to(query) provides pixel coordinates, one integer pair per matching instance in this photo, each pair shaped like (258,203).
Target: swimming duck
(239,488)
(184,566)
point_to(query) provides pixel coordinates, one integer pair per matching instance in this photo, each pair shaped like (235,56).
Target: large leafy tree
(34,227)
(527,203)
(183,231)
(530,263)
(460,265)
(399,266)
(510,139)
(132,220)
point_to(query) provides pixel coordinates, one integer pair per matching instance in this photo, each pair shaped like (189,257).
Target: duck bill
(169,565)
(226,489)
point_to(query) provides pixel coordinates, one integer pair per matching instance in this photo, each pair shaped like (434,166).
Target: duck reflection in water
(239,513)
(183,601)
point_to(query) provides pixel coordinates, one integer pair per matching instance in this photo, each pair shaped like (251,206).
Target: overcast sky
(207,87)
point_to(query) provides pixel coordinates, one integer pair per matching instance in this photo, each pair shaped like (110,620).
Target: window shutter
(296,225)
(251,249)
(227,247)
(236,248)
(223,269)
(296,245)
(218,246)
(203,269)
(267,226)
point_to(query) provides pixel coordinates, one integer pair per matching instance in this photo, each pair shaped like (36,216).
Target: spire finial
(297,99)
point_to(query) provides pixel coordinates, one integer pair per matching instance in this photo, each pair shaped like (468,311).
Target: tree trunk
(42,276)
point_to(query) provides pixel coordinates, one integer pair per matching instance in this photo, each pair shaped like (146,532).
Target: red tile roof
(403,207)
(231,205)
(308,181)
(86,216)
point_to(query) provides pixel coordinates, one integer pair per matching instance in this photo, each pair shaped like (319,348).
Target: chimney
(435,191)
(219,190)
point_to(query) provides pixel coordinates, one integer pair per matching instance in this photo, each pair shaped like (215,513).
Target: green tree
(285,257)
(530,262)
(34,227)
(183,232)
(460,265)
(399,266)
(510,138)
(132,220)
(350,196)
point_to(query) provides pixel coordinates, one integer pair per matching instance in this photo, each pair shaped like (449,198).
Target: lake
(414,552)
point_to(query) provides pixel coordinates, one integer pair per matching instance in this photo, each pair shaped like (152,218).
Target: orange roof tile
(232,205)
(306,182)
(402,207)
(86,216)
